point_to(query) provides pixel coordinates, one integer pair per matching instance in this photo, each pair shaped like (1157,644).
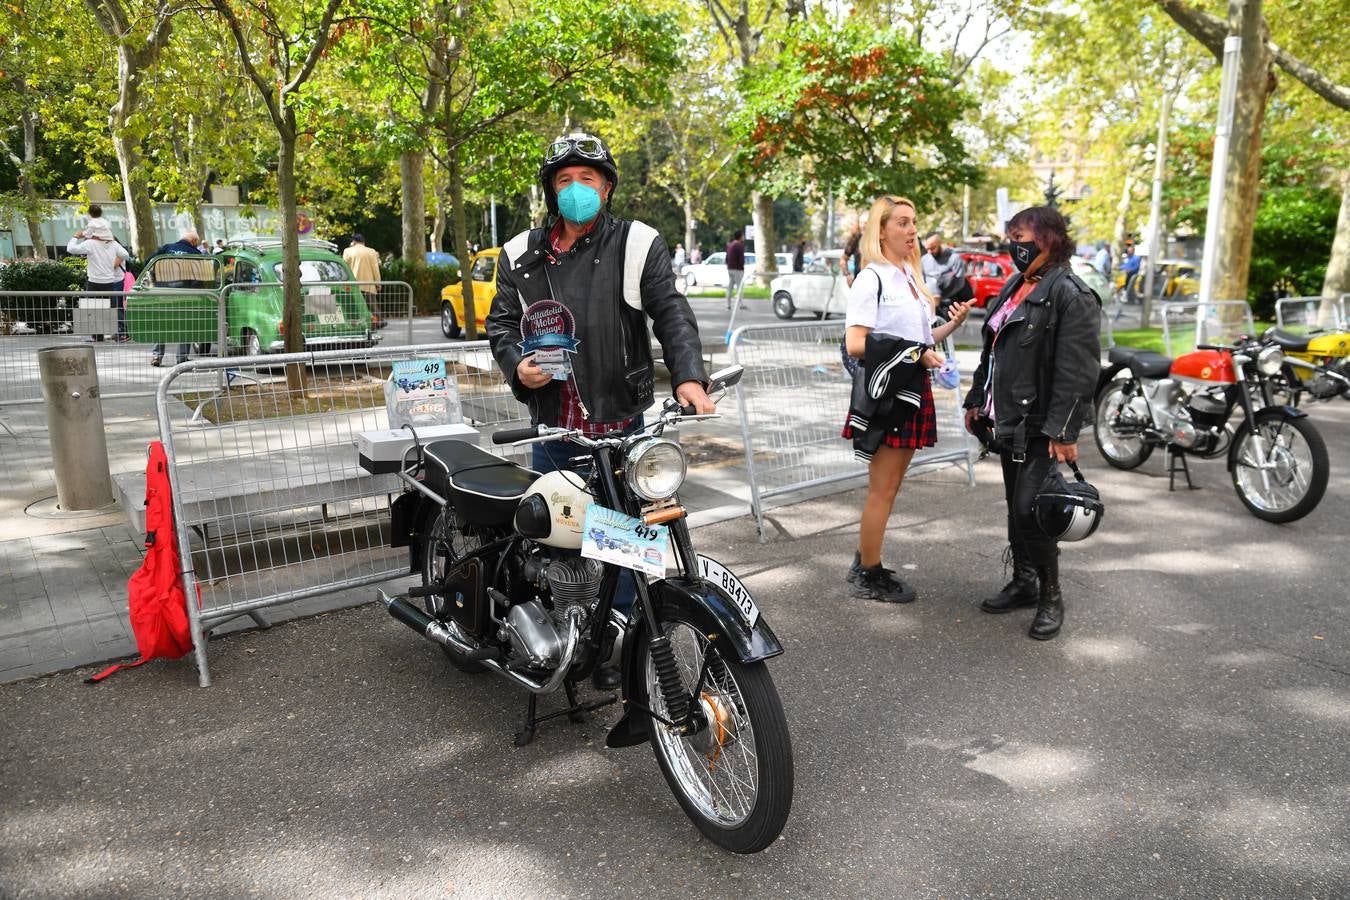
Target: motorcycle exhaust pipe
(432,630)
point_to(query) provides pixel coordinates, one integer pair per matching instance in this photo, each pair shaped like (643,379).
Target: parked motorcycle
(1277,458)
(505,591)
(1316,364)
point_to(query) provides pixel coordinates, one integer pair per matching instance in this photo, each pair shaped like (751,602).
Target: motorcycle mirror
(726,378)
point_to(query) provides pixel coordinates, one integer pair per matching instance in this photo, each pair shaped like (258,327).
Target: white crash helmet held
(1068,510)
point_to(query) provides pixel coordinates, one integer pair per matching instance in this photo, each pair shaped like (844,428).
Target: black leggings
(1021,482)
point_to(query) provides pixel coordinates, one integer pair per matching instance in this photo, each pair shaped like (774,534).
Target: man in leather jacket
(579,259)
(1034,385)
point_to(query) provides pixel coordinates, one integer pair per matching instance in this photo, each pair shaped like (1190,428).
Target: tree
(279,47)
(867,112)
(139,30)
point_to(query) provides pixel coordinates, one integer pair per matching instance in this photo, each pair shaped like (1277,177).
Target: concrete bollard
(75,427)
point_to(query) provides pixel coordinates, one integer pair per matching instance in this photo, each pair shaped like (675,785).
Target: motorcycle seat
(1290,343)
(1143,363)
(484,487)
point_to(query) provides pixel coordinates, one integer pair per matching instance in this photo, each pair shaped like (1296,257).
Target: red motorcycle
(1277,458)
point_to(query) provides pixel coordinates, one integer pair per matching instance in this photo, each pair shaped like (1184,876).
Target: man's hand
(972,416)
(691,393)
(529,374)
(1065,453)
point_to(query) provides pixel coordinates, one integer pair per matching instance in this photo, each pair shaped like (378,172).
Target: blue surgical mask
(578,203)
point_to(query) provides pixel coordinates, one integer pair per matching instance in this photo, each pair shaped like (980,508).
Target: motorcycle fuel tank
(1335,344)
(565,499)
(1209,366)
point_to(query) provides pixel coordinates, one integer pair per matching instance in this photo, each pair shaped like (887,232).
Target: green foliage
(856,109)
(426,282)
(1291,243)
(23,275)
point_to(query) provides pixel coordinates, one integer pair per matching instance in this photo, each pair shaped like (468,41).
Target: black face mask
(1024,253)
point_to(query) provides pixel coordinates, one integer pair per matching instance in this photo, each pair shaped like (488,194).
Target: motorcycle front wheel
(1123,451)
(734,777)
(445,545)
(1293,478)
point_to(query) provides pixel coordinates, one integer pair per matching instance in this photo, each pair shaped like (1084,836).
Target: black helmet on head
(575,149)
(1068,510)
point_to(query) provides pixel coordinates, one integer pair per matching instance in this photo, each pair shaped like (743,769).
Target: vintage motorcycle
(1316,364)
(506,591)
(1277,458)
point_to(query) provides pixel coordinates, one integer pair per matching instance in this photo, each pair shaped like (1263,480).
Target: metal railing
(1304,314)
(137,334)
(792,402)
(270,503)
(1216,322)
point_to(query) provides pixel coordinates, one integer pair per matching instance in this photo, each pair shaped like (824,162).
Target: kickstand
(1173,456)
(575,711)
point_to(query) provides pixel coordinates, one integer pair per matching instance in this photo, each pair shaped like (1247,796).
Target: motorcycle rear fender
(1108,375)
(411,515)
(1270,412)
(708,608)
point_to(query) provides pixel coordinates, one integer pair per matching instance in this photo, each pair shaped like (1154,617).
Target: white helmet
(554,509)
(1068,511)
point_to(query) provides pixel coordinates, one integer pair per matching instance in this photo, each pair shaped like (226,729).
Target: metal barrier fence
(792,402)
(136,334)
(1215,322)
(270,503)
(1303,314)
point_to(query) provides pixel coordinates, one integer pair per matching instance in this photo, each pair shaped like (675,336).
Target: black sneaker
(876,583)
(855,569)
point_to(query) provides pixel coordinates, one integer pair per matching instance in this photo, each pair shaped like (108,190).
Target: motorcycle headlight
(1270,360)
(655,468)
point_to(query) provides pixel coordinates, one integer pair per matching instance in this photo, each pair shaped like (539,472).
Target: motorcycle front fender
(1270,412)
(708,608)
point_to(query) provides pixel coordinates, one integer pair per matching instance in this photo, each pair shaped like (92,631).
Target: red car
(986,272)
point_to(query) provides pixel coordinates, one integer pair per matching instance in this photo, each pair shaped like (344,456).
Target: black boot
(1019,593)
(1049,605)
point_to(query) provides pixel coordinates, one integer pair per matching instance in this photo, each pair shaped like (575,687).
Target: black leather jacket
(1044,361)
(613,366)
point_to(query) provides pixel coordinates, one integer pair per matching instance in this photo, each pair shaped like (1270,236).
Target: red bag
(156,603)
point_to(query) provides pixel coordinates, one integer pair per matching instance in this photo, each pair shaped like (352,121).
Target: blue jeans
(555,455)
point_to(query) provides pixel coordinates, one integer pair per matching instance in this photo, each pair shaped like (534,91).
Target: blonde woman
(890,329)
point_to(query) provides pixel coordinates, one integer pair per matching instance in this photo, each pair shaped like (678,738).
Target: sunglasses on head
(584,146)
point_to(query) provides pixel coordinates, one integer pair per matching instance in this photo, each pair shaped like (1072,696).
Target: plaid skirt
(910,431)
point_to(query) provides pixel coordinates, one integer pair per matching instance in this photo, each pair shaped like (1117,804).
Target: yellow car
(483,272)
(1174,279)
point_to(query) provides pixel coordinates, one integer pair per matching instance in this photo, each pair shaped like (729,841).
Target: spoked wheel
(446,545)
(1115,429)
(1281,468)
(733,777)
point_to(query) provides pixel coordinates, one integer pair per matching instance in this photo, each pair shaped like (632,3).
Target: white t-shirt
(903,311)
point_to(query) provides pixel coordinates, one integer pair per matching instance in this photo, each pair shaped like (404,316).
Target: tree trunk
(1337,281)
(293,305)
(135,189)
(690,224)
(766,239)
(414,205)
(1241,188)
(1118,229)
(26,187)
(1157,233)
(438,225)
(461,245)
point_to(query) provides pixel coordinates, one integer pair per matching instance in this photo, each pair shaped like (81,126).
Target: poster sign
(420,392)
(614,537)
(550,333)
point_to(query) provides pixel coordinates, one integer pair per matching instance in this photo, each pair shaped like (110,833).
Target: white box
(382,451)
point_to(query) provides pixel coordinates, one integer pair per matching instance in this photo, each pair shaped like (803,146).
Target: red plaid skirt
(910,432)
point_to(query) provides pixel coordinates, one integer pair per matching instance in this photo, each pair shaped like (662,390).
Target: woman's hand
(1065,453)
(931,359)
(957,312)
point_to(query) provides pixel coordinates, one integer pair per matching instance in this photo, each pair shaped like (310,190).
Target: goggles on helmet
(583,145)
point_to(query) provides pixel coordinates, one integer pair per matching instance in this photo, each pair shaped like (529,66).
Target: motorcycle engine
(1206,413)
(536,632)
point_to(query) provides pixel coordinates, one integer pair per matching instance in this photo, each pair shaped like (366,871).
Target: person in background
(695,255)
(106,257)
(189,242)
(735,267)
(799,257)
(889,327)
(678,260)
(365,265)
(1103,259)
(1129,267)
(1030,395)
(851,262)
(944,271)
(220,246)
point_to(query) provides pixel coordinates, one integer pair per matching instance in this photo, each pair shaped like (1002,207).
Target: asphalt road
(1184,737)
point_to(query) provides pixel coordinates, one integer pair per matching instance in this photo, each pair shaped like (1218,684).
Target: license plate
(713,571)
(330,319)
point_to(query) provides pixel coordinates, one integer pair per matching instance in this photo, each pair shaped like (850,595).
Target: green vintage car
(175,299)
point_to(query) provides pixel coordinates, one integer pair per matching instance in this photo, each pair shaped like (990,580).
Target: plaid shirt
(571,414)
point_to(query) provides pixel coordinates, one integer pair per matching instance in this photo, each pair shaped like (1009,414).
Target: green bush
(43,313)
(426,282)
(1291,242)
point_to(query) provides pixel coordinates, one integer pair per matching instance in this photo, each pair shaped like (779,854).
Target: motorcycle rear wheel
(1120,451)
(1295,477)
(734,779)
(444,545)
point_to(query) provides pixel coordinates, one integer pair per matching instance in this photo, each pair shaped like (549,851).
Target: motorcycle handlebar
(511,435)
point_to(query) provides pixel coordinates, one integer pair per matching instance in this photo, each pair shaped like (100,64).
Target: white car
(712,272)
(820,289)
